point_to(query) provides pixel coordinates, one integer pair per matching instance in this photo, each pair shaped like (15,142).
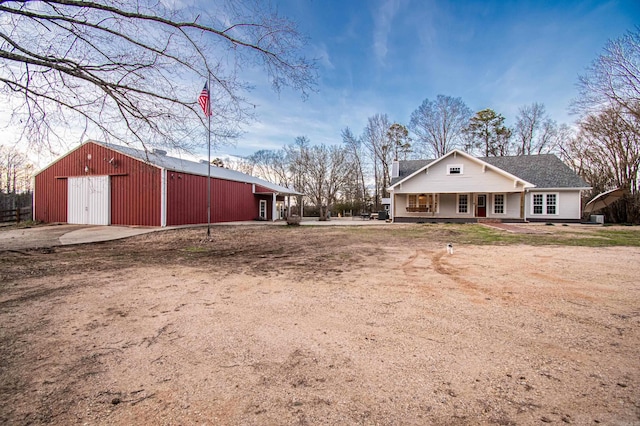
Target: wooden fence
(15,215)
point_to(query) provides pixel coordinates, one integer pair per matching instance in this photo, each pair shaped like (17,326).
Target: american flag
(204,101)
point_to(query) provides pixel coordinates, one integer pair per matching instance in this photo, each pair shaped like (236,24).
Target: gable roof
(429,163)
(159,159)
(543,171)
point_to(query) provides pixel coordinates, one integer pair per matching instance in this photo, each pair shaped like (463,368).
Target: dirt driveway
(319,325)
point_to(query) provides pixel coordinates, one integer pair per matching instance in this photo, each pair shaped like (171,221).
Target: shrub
(293,220)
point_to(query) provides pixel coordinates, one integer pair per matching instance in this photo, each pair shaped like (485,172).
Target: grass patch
(483,235)
(598,237)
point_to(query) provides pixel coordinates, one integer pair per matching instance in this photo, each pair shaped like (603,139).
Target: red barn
(105,184)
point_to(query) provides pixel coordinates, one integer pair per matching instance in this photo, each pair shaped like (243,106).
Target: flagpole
(209,166)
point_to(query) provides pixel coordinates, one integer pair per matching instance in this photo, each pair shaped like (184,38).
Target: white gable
(459,172)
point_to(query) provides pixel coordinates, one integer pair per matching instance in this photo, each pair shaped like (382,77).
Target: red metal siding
(135,186)
(261,189)
(187,200)
(50,198)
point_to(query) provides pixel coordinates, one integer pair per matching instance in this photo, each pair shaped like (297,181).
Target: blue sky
(382,56)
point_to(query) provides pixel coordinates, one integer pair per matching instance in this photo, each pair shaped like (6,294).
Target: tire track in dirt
(442,267)
(416,268)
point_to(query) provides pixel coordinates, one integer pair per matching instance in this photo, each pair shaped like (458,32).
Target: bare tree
(535,132)
(15,171)
(355,157)
(239,164)
(16,174)
(614,142)
(613,79)
(440,125)
(271,165)
(132,71)
(377,141)
(297,157)
(323,172)
(606,153)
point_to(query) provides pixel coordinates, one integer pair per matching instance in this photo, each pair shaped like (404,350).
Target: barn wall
(187,200)
(50,198)
(135,186)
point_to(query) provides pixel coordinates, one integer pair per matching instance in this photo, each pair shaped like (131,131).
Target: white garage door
(89,200)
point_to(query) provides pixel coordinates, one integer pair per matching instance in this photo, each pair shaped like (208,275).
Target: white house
(458,187)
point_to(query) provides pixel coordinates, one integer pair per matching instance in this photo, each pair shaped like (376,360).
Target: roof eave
(564,188)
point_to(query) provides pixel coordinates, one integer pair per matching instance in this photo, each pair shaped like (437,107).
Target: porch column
(273,208)
(522,205)
(392,207)
(473,199)
(288,206)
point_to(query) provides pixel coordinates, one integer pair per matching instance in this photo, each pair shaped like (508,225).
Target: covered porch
(458,206)
(273,205)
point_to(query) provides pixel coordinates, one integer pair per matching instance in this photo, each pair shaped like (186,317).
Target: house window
(498,203)
(538,201)
(463,203)
(551,203)
(545,204)
(422,201)
(454,169)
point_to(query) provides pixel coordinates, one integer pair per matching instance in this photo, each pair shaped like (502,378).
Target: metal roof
(544,170)
(158,159)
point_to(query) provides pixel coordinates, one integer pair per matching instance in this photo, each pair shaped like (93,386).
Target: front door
(262,213)
(279,210)
(481,209)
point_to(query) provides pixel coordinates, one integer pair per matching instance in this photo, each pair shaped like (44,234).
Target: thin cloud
(382,21)
(321,53)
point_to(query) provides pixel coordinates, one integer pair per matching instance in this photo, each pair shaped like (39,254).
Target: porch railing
(419,209)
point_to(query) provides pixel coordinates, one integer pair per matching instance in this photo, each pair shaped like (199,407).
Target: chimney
(395,169)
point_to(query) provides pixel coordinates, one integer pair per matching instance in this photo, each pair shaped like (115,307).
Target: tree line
(16,173)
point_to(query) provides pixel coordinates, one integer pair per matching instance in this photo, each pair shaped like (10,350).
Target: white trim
(392,205)
(163,197)
(274,210)
(580,188)
(504,203)
(260,204)
(544,204)
(458,203)
(33,198)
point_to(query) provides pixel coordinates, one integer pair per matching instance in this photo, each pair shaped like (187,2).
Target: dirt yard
(319,325)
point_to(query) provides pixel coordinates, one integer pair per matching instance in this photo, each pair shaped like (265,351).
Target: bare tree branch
(133,70)
(612,79)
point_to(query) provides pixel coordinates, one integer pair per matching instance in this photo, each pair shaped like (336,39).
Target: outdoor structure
(105,184)
(458,187)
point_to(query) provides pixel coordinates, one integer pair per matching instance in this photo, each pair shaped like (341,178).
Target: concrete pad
(103,233)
